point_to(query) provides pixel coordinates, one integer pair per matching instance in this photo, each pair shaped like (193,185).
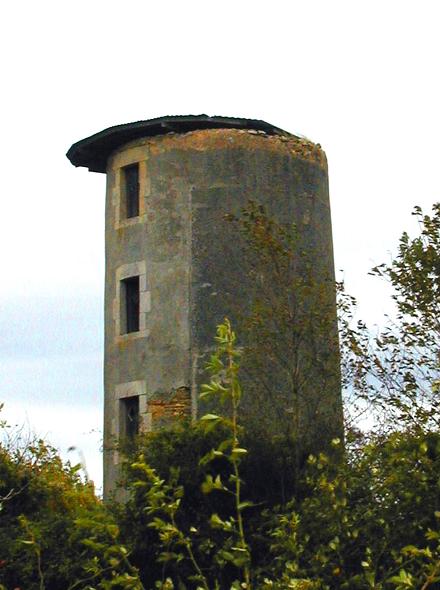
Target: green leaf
(210,417)
(244,505)
(239,451)
(216,522)
(208,485)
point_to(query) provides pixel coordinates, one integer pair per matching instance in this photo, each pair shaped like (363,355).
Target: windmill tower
(170,256)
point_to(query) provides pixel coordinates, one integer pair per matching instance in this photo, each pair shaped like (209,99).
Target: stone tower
(170,258)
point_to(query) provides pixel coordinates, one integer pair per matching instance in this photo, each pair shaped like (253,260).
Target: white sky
(359,77)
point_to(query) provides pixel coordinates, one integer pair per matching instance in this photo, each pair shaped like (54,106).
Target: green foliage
(226,548)
(368,521)
(213,507)
(356,520)
(357,524)
(289,334)
(54,532)
(398,371)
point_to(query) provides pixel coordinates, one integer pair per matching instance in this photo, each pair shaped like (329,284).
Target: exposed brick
(169,408)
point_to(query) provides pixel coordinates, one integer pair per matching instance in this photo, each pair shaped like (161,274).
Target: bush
(54,532)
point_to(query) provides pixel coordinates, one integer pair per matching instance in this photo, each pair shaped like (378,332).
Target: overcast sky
(359,77)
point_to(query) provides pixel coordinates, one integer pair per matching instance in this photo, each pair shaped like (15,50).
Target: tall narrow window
(131,190)
(130,416)
(130,305)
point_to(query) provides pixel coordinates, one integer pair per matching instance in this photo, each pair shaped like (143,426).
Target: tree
(290,367)
(397,372)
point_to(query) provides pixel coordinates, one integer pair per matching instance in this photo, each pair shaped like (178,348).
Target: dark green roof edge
(93,152)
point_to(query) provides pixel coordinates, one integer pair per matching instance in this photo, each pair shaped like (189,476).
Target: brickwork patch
(166,409)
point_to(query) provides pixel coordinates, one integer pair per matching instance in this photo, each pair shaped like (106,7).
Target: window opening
(130,416)
(130,305)
(131,190)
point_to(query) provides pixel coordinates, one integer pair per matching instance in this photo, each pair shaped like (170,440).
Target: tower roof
(93,152)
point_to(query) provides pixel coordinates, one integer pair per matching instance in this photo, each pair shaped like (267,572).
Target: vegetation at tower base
(364,518)
(370,520)
(54,532)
